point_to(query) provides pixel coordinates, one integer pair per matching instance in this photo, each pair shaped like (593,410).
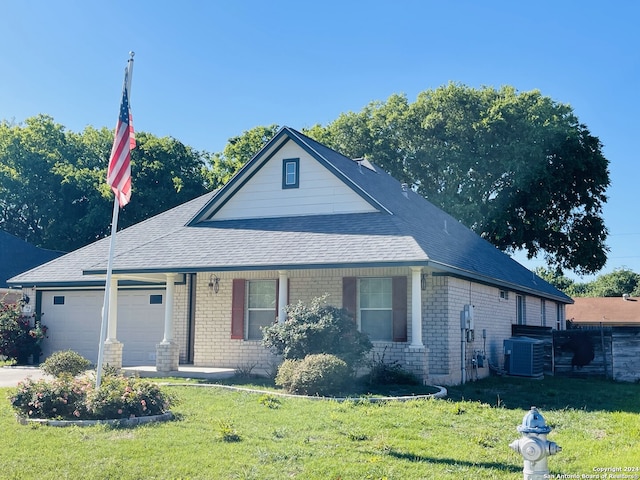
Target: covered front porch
(183,371)
(200,329)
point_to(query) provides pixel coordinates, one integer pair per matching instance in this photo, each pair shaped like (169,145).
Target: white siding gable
(319,192)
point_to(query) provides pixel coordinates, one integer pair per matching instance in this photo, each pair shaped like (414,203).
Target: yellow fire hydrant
(534,446)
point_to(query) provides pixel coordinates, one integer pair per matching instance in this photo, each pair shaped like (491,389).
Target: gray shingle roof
(408,230)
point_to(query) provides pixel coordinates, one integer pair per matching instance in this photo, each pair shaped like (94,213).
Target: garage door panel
(142,327)
(75,324)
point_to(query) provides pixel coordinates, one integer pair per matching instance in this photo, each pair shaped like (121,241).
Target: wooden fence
(611,352)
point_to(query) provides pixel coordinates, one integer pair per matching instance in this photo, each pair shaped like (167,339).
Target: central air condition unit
(524,356)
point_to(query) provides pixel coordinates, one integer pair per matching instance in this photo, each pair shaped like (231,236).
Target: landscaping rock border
(442,393)
(116,422)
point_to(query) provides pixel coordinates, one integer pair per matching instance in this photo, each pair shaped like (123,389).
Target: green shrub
(60,398)
(66,362)
(286,372)
(319,374)
(71,398)
(388,373)
(317,328)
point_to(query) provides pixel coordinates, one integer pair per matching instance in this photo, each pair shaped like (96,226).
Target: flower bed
(77,399)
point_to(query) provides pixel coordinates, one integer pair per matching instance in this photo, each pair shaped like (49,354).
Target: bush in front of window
(317,328)
(319,374)
(382,372)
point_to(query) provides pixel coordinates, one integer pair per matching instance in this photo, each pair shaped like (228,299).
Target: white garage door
(74,318)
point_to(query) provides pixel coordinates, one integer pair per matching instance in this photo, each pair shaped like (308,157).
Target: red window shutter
(399,305)
(349,296)
(237,309)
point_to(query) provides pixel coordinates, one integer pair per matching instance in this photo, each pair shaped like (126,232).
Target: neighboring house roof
(397,228)
(605,310)
(17,256)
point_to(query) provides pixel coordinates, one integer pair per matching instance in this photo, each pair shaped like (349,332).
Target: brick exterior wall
(443,301)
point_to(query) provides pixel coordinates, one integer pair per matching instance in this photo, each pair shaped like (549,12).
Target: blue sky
(209,70)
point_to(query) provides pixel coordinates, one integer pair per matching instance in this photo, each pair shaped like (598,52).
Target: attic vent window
(504,295)
(290,173)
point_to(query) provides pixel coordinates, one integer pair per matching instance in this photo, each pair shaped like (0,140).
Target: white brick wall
(442,304)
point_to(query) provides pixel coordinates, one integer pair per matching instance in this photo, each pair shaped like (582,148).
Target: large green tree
(615,284)
(239,150)
(53,191)
(517,168)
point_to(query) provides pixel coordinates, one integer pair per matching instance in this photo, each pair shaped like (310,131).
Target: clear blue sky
(209,70)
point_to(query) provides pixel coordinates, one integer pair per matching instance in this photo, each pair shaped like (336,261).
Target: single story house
(606,311)
(195,284)
(17,256)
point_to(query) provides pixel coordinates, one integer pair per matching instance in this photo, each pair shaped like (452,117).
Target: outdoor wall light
(214,283)
(423,281)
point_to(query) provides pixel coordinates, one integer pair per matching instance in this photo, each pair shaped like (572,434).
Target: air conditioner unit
(524,356)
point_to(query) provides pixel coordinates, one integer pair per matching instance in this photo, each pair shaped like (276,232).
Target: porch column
(416,308)
(112,353)
(283,297)
(168,310)
(167,352)
(112,323)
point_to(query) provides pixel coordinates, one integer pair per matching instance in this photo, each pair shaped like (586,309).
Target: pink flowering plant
(21,336)
(69,398)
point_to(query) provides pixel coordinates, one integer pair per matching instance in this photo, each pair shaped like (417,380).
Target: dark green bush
(317,328)
(319,374)
(65,362)
(382,372)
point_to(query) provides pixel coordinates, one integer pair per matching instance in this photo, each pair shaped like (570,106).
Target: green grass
(222,434)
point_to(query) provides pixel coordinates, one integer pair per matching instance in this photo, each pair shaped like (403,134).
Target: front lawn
(223,434)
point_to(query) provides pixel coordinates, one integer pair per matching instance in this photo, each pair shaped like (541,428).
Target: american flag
(119,172)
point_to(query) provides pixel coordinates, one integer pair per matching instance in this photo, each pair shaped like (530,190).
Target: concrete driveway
(10,376)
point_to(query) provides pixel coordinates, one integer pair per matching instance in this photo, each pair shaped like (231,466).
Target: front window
(261,307)
(376,308)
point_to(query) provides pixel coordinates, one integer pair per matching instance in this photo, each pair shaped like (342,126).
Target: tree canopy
(614,284)
(517,168)
(53,191)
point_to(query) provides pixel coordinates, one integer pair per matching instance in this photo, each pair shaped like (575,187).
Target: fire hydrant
(534,446)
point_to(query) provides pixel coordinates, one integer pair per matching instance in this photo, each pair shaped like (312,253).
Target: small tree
(317,328)
(18,337)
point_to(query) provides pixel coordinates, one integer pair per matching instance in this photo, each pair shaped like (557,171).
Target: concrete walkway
(10,376)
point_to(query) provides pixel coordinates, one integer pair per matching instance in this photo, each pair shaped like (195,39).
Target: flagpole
(112,247)
(107,291)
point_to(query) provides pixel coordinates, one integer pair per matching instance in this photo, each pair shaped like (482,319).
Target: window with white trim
(260,307)
(375,306)
(543,312)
